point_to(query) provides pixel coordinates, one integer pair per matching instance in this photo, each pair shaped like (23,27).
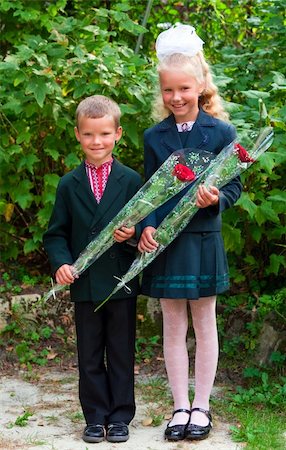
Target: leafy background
(54,53)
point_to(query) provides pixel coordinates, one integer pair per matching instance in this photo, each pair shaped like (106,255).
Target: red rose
(183,173)
(243,154)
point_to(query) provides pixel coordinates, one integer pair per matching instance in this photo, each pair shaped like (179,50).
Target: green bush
(59,60)
(240,322)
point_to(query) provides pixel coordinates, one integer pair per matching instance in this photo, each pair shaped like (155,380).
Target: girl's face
(180,93)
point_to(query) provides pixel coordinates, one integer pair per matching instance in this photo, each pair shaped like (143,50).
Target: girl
(193,269)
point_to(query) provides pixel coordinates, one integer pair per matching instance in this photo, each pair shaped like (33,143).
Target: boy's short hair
(98,106)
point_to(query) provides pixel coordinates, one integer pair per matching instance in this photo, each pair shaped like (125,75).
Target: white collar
(185,126)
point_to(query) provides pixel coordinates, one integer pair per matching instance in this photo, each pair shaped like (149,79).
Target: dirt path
(56,422)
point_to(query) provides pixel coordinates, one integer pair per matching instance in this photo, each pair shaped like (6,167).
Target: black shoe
(93,433)
(199,432)
(177,432)
(117,432)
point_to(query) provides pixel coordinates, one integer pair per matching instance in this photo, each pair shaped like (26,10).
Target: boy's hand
(207,197)
(123,234)
(147,243)
(64,275)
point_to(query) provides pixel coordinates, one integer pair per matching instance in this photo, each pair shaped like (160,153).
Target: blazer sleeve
(56,239)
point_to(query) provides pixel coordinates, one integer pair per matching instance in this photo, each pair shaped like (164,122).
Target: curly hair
(197,67)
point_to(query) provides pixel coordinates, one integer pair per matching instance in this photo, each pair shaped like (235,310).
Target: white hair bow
(178,39)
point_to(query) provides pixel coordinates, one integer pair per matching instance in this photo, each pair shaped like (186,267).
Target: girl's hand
(147,243)
(207,197)
(64,274)
(123,234)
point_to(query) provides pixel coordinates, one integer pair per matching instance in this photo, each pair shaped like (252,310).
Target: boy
(87,199)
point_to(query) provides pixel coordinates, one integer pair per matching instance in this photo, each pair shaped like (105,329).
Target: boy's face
(97,138)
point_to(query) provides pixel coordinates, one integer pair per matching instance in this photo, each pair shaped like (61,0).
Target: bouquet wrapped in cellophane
(229,163)
(178,171)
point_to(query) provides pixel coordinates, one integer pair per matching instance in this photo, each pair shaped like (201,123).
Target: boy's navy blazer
(77,219)
(208,133)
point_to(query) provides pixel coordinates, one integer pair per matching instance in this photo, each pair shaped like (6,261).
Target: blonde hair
(98,106)
(197,67)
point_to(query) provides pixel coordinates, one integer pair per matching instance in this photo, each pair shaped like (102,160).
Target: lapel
(198,137)
(83,190)
(112,190)
(169,136)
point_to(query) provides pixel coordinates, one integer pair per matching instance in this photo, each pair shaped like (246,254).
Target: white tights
(175,327)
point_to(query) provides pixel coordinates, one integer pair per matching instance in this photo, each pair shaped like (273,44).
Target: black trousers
(106,348)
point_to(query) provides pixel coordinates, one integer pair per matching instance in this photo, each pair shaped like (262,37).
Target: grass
(156,395)
(31,376)
(53,419)
(75,417)
(155,389)
(22,421)
(68,380)
(33,439)
(258,426)
(261,428)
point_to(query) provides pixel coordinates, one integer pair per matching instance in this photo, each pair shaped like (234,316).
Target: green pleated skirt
(194,265)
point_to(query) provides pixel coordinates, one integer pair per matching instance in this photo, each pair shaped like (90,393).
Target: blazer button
(94,231)
(112,255)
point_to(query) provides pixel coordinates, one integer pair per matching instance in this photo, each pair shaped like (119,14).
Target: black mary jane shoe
(117,432)
(93,433)
(199,432)
(177,432)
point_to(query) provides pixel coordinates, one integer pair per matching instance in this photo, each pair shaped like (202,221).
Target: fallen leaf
(52,355)
(147,421)
(66,320)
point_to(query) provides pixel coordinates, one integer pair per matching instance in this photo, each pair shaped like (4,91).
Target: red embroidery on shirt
(98,177)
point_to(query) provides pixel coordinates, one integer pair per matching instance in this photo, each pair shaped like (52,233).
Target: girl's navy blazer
(209,134)
(77,219)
